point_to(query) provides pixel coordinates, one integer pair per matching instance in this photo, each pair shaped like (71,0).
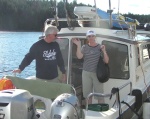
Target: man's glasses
(52,34)
(91,36)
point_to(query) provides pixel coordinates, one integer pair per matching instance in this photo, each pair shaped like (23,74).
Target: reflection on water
(13,47)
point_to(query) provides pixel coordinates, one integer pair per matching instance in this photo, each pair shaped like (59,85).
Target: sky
(125,6)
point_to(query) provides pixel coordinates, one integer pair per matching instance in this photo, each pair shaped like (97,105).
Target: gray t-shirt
(91,57)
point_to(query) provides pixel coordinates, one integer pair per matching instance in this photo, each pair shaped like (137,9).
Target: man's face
(51,37)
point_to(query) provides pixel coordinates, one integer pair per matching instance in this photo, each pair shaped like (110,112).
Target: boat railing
(114,92)
(74,90)
(3,72)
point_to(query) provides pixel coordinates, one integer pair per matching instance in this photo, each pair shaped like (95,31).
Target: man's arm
(26,61)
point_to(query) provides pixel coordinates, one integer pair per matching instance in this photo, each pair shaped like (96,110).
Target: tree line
(30,15)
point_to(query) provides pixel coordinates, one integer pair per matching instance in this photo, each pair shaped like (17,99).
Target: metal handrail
(121,87)
(6,71)
(74,90)
(109,95)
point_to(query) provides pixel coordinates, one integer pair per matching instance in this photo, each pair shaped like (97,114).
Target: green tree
(30,15)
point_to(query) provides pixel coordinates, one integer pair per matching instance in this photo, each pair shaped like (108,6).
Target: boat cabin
(129,63)
(129,58)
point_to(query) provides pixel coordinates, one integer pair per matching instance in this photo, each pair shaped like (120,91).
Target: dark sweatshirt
(47,56)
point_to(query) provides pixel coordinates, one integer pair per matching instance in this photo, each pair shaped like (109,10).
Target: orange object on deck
(6,83)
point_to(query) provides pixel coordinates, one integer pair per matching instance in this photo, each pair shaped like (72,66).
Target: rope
(139,117)
(113,91)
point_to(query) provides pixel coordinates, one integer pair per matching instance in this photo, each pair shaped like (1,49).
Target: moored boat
(124,93)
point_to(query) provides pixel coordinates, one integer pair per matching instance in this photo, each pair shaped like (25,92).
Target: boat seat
(41,88)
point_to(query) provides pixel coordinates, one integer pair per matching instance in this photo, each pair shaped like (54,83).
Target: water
(13,47)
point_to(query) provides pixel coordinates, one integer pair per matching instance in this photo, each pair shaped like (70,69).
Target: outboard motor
(65,106)
(16,104)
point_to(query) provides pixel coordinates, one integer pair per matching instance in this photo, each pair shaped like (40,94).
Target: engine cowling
(65,106)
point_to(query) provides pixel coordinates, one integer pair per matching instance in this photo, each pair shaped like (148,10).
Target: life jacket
(5,84)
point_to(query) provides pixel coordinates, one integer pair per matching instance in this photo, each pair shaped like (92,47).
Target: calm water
(13,47)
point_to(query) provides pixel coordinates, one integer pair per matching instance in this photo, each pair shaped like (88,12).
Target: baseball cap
(90,32)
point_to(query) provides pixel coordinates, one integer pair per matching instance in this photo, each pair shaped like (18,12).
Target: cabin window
(118,59)
(146,52)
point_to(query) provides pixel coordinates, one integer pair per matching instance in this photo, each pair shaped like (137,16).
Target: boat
(118,20)
(115,18)
(126,93)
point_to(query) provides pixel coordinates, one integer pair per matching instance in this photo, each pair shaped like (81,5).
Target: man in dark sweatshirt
(47,55)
